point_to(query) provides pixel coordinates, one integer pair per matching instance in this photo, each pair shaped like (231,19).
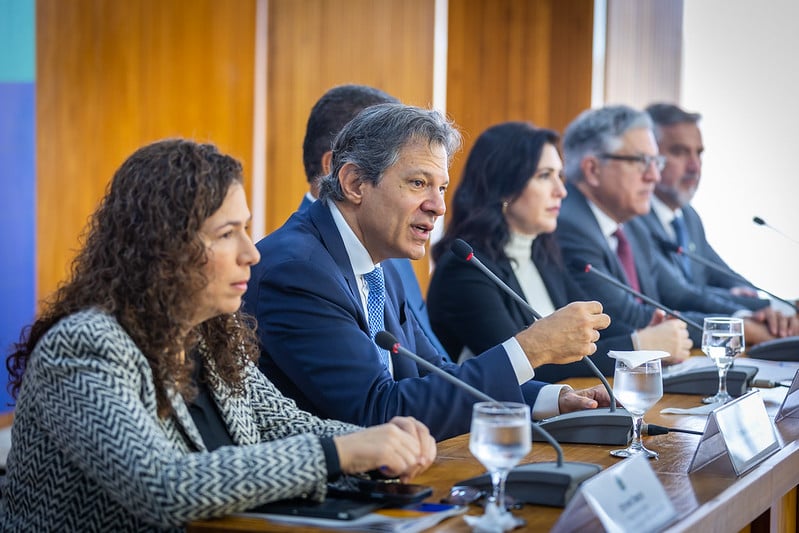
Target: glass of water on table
(500,437)
(637,386)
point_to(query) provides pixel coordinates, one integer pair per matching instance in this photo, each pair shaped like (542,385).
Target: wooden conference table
(712,499)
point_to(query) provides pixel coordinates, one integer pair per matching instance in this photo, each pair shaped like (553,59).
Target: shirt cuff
(634,339)
(546,403)
(331,458)
(742,313)
(521,365)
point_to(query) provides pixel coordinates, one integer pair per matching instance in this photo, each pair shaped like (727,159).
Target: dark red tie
(625,254)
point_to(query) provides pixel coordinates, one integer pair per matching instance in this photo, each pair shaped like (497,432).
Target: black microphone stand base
(596,426)
(540,483)
(706,381)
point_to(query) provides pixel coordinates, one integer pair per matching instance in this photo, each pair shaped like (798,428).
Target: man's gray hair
(373,139)
(598,131)
(663,114)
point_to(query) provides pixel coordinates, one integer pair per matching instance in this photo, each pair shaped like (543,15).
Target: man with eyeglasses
(674,220)
(612,166)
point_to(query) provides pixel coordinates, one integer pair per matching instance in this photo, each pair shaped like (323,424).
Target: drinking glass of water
(722,341)
(500,438)
(637,388)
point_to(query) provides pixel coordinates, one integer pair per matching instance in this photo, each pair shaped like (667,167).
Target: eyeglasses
(643,160)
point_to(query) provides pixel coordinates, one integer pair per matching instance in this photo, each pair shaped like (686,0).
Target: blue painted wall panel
(17,217)
(17,176)
(17,43)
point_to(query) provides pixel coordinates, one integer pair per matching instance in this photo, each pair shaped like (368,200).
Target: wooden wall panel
(314,45)
(643,59)
(115,75)
(517,60)
(570,61)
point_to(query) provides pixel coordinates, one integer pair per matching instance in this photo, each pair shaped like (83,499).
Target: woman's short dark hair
(142,263)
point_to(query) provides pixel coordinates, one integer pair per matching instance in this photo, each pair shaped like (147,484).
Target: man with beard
(672,218)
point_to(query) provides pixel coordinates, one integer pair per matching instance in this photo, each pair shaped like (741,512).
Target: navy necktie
(625,254)
(375,306)
(678,223)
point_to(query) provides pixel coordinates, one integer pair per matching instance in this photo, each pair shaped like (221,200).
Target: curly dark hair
(142,261)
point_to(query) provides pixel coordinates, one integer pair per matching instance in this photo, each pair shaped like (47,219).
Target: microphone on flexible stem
(582,427)
(463,251)
(544,483)
(668,246)
(694,380)
(587,267)
(760,222)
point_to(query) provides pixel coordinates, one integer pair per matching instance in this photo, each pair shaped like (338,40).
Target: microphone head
(667,246)
(386,340)
(462,250)
(580,266)
(759,221)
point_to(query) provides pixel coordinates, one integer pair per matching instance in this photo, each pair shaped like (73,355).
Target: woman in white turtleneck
(506,206)
(520,252)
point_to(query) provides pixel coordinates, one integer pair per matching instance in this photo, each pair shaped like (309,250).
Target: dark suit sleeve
(719,282)
(676,292)
(468,310)
(580,246)
(414,299)
(311,332)
(617,336)
(726,279)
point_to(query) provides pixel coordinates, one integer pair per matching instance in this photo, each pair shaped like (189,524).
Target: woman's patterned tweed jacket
(90,453)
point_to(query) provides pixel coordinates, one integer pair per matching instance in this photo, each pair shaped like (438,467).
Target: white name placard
(789,408)
(739,433)
(628,497)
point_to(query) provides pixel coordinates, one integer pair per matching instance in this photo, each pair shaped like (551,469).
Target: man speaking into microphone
(321,292)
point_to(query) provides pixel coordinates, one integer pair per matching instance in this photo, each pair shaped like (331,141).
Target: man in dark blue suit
(612,166)
(673,219)
(329,114)
(312,291)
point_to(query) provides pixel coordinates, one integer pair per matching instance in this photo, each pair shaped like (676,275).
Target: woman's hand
(401,448)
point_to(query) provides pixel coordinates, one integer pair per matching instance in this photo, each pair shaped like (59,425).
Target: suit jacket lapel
(183,420)
(637,235)
(652,223)
(322,219)
(587,216)
(553,280)
(235,411)
(504,271)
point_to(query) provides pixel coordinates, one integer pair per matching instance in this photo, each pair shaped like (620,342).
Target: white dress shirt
(546,404)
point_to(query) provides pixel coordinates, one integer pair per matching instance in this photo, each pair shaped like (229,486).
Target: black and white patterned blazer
(89,452)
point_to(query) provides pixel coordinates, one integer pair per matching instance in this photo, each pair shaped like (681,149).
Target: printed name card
(625,497)
(739,433)
(790,404)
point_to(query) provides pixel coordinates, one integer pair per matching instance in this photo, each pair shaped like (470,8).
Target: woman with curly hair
(139,405)
(506,206)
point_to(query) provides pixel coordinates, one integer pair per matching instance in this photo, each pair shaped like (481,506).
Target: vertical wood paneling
(644,51)
(317,44)
(571,60)
(517,60)
(115,75)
